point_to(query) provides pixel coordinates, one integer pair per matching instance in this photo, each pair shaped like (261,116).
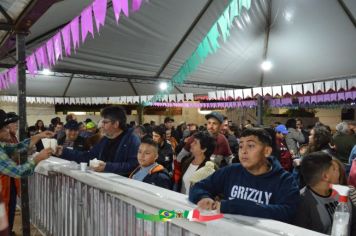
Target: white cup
(54,144)
(46,143)
(83,166)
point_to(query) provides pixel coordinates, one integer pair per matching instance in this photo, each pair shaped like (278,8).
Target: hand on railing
(59,151)
(100,167)
(43,155)
(209,204)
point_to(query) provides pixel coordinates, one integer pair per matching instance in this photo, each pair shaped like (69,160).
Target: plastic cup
(54,144)
(46,143)
(83,166)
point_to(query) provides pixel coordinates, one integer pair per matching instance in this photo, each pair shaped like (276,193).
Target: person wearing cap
(71,139)
(285,157)
(90,130)
(10,186)
(117,150)
(95,139)
(168,123)
(222,150)
(8,166)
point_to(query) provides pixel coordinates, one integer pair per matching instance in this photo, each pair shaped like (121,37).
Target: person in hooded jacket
(149,171)
(257,186)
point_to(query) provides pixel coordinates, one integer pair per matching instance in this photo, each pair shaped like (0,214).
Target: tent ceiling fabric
(309,40)
(13,8)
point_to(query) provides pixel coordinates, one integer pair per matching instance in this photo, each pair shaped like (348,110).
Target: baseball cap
(12,117)
(281,129)
(72,125)
(168,119)
(215,115)
(4,119)
(90,125)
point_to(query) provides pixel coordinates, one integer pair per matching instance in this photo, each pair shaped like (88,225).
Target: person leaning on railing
(10,167)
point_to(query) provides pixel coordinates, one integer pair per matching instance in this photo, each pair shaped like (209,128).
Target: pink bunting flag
(13,75)
(66,39)
(50,52)
(99,8)
(2,86)
(5,79)
(136,5)
(87,22)
(41,58)
(31,64)
(57,42)
(74,28)
(120,5)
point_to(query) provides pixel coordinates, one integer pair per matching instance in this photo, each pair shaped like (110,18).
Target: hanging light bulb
(266,65)
(163,86)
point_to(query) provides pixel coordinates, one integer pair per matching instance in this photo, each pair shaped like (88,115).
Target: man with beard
(222,154)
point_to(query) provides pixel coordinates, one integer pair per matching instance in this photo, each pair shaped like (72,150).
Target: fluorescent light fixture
(163,86)
(78,113)
(266,65)
(46,72)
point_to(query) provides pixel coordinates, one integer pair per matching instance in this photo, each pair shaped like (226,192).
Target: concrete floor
(18,225)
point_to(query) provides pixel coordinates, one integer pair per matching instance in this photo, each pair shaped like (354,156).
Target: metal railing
(65,201)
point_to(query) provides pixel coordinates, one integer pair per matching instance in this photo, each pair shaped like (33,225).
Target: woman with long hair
(39,126)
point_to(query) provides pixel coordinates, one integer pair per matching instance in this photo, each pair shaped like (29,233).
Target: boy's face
(147,155)
(253,153)
(157,138)
(333,173)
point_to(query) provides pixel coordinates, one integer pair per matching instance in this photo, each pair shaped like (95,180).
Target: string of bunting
(188,101)
(48,54)
(208,46)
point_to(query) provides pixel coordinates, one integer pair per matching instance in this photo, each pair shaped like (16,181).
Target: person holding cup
(7,165)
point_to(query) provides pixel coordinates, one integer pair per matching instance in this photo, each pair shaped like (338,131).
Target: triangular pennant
(213,36)
(41,57)
(74,29)
(57,43)
(87,22)
(66,39)
(136,5)
(99,8)
(50,52)
(118,6)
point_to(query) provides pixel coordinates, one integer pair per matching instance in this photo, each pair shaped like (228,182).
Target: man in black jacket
(165,150)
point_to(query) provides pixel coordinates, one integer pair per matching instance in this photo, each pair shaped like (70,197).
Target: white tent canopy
(307,40)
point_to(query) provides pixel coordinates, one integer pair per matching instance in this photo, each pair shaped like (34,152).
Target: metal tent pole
(21,99)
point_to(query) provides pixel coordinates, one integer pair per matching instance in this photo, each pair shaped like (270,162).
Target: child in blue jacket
(257,186)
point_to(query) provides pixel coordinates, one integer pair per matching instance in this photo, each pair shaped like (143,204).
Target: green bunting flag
(209,44)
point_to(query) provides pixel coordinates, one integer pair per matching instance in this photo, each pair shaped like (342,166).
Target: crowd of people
(281,172)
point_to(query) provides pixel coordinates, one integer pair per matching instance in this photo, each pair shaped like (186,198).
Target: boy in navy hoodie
(257,186)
